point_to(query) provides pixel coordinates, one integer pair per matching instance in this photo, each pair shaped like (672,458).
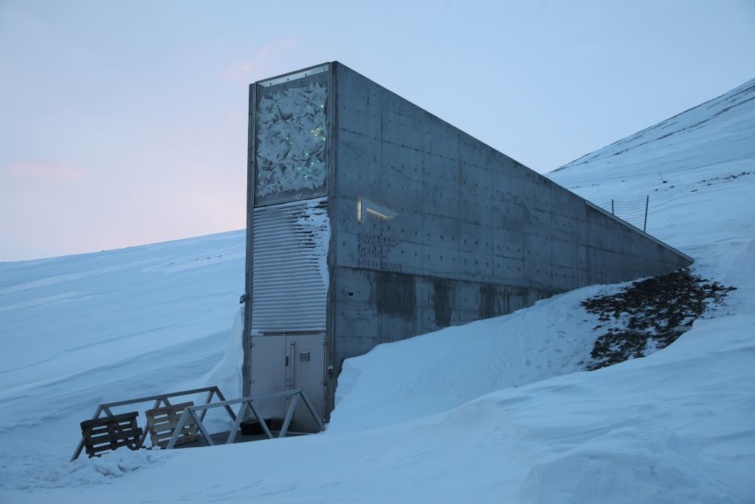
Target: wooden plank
(123,417)
(111,428)
(130,436)
(116,435)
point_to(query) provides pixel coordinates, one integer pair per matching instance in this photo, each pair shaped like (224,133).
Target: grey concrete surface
(430,227)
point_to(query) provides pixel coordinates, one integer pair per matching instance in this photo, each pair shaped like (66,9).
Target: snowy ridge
(495,411)
(691,124)
(91,325)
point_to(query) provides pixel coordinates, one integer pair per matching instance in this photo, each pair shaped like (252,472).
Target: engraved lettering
(373,251)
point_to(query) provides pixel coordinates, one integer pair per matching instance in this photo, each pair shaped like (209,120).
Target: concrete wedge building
(370,220)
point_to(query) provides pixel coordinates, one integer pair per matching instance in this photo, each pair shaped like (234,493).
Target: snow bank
(442,370)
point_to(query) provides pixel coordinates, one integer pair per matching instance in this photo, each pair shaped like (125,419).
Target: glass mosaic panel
(291,140)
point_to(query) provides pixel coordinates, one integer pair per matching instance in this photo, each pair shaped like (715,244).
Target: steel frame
(159,399)
(246,407)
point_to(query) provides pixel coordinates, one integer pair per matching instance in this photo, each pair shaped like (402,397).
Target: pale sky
(125,122)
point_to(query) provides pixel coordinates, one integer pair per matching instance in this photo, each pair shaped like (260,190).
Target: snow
(494,411)
(463,363)
(317,222)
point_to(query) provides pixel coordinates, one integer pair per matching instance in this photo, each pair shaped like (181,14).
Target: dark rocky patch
(649,315)
(727,178)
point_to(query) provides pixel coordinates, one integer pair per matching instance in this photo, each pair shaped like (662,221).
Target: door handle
(292,360)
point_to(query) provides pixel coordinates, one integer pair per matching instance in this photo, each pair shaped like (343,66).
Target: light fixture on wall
(366,206)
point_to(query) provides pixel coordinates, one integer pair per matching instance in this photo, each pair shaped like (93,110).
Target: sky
(124,123)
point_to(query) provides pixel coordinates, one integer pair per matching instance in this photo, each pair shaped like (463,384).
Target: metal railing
(159,399)
(632,212)
(246,407)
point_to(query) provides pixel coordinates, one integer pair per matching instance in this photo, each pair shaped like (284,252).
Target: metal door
(290,362)
(306,371)
(268,374)
(289,305)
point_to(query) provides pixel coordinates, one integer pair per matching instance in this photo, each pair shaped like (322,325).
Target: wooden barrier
(108,433)
(161,423)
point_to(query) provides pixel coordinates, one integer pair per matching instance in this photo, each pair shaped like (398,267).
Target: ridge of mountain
(693,122)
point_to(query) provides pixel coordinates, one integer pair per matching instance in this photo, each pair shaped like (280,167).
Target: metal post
(246,389)
(208,400)
(80,446)
(222,399)
(236,423)
(332,157)
(612,212)
(261,420)
(289,414)
(312,410)
(177,430)
(647,203)
(200,426)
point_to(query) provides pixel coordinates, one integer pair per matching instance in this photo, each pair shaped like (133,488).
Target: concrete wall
(473,233)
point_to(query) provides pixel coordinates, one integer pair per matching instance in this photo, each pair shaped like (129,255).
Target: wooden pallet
(161,423)
(110,432)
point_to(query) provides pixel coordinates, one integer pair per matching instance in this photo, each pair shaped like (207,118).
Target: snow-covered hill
(495,411)
(698,169)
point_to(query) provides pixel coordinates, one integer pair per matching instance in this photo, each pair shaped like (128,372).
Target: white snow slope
(495,411)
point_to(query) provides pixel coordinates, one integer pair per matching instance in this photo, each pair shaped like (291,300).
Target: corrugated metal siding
(290,289)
